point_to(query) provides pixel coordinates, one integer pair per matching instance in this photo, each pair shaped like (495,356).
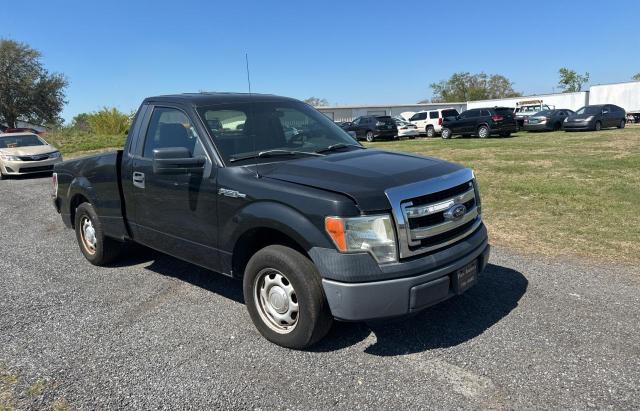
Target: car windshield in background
(243,130)
(589,110)
(543,113)
(449,113)
(20,141)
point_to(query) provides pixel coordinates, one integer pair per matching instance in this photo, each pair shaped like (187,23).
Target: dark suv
(481,122)
(596,117)
(373,127)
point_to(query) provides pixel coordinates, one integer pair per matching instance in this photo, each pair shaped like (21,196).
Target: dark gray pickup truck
(268,190)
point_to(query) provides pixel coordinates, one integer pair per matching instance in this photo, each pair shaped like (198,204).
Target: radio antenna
(246,59)
(251,112)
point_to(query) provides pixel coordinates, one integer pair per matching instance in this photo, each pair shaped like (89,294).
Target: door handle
(138,179)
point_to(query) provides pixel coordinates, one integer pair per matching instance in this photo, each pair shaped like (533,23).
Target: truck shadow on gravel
(444,325)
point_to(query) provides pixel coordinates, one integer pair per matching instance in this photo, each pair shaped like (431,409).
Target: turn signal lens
(335,229)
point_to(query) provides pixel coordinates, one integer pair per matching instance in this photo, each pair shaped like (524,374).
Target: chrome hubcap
(276,300)
(88,235)
(483,132)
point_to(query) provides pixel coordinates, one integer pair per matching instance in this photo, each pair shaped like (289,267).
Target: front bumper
(416,285)
(408,133)
(578,125)
(536,127)
(28,167)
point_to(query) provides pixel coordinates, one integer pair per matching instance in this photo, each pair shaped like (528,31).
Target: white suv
(430,122)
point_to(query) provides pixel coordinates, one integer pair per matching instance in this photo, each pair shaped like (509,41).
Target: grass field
(550,193)
(553,193)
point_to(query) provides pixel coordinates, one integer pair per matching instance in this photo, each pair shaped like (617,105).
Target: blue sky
(115,53)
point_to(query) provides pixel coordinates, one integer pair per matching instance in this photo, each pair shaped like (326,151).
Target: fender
(79,185)
(277,216)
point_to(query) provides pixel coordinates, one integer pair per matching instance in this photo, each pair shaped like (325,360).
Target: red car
(23,130)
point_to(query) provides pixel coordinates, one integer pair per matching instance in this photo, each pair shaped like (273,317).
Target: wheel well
(256,239)
(76,200)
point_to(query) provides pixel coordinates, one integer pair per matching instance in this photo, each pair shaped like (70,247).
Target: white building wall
(625,95)
(572,101)
(351,112)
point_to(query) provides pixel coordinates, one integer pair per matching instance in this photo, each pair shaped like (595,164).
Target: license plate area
(465,277)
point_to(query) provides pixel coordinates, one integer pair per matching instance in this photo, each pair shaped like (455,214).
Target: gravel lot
(155,332)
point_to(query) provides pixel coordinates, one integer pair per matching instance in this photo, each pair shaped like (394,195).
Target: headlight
(373,234)
(476,189)
(55,154)
(7,157)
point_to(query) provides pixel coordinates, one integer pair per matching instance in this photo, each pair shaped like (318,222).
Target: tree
(571,81)
(316,102)
(464,86)
(81,122)
(636,77)
(28,92)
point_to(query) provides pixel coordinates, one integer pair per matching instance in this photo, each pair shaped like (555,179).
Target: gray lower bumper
(398,297)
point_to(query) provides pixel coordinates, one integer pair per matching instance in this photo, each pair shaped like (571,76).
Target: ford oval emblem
(456,212)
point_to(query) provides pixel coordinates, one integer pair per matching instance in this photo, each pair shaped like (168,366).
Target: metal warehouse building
(625,95)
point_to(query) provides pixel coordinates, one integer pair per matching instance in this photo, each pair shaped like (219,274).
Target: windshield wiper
(337,146)
(274,153)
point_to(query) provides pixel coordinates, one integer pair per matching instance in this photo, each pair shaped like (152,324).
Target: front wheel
(96,248)
(622,124)
(369,136)
(284,297)
(483,131)
(446,133)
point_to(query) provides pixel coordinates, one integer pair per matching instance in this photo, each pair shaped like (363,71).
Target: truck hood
(28,151)
(363,175)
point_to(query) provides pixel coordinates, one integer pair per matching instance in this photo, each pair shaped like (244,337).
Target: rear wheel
(483,131)
(446,133)
(430,131)
(96,248)
(284,297)
(622,124)
(369,136)
(597,126)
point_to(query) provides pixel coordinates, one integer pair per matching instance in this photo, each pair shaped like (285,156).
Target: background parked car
(406,129)
(430,122)
(595,118)
(481,122)
(346,125)
(546,120)
(24,153)
(23,130)
(374,127)
(527,108)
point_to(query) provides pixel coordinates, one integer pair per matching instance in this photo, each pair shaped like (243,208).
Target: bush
(108,121)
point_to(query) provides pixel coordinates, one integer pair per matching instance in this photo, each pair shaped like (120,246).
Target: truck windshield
(242,130)
(20,141)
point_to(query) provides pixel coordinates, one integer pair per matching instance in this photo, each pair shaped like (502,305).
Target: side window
(433,114)
(414,117)
(171,128)
(356,121)
(484,113)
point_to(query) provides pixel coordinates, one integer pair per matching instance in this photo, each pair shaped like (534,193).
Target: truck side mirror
(176,160)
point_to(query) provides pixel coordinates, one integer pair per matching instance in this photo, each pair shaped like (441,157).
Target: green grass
(553,193)
(550,193)
(72,143)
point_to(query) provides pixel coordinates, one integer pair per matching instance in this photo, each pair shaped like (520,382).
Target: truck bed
(96,179)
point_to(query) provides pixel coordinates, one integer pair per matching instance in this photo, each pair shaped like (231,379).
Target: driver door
(175,213)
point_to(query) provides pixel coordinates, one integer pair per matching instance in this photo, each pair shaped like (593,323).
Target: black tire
(2,176)
(105,249)
(445,133)
(483,131)
(622,124)
(597,126)
(431,132)
(313,319)
(369,136)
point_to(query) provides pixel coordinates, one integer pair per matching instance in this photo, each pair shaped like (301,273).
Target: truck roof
(205,99)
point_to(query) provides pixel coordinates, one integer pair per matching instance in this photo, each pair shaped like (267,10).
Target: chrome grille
(424,212)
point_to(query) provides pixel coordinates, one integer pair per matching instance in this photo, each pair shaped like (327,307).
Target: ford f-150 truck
(315,225)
